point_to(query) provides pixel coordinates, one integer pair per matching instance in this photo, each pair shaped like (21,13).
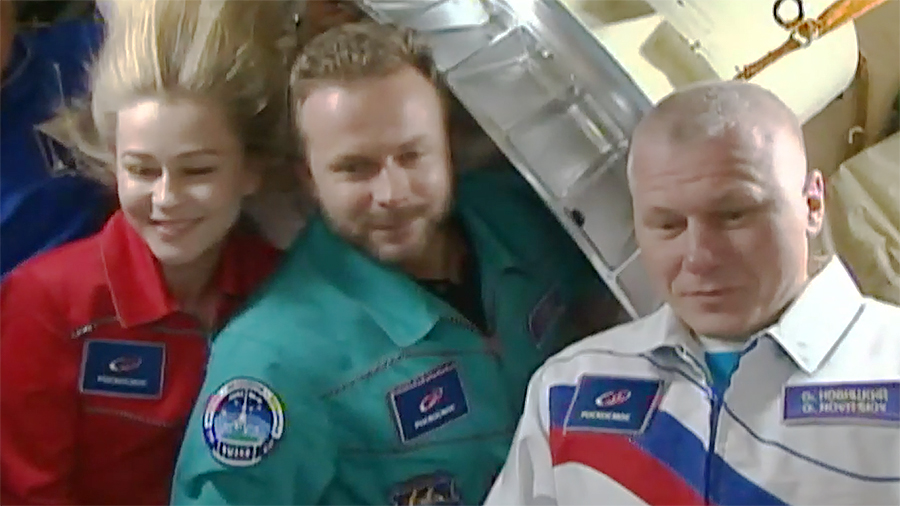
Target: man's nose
(391,185)
(702,249)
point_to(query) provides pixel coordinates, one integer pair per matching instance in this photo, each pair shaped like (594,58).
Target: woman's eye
(141,172)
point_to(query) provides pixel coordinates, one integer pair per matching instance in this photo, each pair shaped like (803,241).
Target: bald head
(744,116)
(710,109)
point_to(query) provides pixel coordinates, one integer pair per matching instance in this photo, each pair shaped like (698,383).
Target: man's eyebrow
(747,195)
(413,142)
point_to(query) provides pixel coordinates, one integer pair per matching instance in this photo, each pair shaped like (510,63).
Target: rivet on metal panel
(577,216)
(695,46)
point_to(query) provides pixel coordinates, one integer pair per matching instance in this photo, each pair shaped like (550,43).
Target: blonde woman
(104,342)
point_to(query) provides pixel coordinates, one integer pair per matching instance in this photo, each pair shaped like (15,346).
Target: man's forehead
(404,87)
(337,113)
(342,135)
(710,196)
(329,97)
(666,163)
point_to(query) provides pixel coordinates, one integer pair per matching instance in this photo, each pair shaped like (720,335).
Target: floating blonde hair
(232,52)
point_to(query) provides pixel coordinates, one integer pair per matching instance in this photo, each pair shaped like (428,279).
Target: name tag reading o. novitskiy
(843,402)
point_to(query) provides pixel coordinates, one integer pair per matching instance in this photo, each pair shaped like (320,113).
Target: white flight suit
(812,414)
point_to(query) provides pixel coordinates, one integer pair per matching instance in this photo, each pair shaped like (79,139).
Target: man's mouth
(712,292)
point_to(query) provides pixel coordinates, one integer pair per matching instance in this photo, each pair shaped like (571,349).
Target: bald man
(755,383)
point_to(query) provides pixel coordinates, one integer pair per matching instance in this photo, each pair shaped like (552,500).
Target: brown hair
(355,51)
(366,49)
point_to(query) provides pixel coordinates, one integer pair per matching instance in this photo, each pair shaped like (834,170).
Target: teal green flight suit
(346,382)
